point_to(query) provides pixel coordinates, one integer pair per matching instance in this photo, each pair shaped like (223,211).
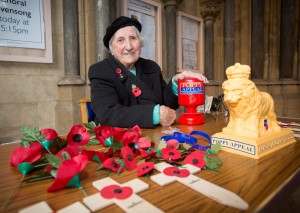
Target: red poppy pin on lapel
(136,91)
(119,72)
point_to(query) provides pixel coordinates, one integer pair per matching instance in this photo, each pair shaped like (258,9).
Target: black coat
(111,92)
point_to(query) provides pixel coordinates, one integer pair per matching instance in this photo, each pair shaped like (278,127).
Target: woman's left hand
(190,74)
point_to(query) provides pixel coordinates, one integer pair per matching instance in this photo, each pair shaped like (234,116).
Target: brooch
(135,90)
(119,72)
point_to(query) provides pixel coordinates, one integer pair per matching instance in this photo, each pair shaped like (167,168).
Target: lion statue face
(232,92)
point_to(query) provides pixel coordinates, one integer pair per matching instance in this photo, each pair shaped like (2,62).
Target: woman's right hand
(167,115)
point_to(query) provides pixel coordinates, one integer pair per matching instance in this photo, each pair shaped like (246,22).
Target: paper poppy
(96,156)
(129,159)
(119,72)
(148,154)
(50,134)
(116,191)
(136,91)
(112,164)
(196,159)
(104,134)
(131,135)
(172,144)
(78,136)
(170,154)
(68,173)
(144,168)
(71,150)
(144,143)
(26,154)
(135,147)
(118,133)
(175,171)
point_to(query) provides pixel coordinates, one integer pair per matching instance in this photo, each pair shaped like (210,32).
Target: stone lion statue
(251,111)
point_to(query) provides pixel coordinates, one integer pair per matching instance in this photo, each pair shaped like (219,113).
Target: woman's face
(126,46)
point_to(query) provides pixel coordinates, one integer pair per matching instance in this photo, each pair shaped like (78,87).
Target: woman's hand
(167,116)
(190,74)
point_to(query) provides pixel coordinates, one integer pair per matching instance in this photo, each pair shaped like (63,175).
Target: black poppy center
(195,161)
(145,167)
(176,172)
(171,146)
(77,138)
(118,191)
(171,153)
(130,157)
(114,165)
(134,146)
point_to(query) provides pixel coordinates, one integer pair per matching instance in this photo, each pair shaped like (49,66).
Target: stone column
(229,33)
(209,9)
(71,44)
(170,8)
(104,17)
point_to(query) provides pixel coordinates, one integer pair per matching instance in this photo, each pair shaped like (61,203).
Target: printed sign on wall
(22,24)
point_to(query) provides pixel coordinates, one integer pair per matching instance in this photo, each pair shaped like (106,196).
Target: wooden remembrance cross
(131,204)
(204,187)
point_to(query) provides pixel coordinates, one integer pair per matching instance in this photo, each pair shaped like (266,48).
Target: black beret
(117,24)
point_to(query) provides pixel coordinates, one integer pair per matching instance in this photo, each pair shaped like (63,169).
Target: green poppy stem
(41,165)
(122,164)
(83,191)
(99,174)
(108,172)
(49,151)
(12,194)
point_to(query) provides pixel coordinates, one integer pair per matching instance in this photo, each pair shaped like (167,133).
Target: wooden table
(259,182)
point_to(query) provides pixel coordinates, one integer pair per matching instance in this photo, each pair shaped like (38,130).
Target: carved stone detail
(210,9)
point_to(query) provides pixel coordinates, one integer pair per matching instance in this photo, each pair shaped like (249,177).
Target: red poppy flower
(129,159)
(71,150)
(175,171)
(104,134)
(96,156)
(26,154)
(112,164)
(118,133)
(170,154)
(144,143)
(172,144)
(118,71)
(148,154)
(131,135)
(78,136)
(144,168)
(136,91)
(116,191)
(50,134)
(196,159)
(67,173)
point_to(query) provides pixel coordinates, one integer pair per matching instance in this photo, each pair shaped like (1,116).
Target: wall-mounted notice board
(190,42)
(149,14)
(25,31)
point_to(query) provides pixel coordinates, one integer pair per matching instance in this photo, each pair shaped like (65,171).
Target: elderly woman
(128,90)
